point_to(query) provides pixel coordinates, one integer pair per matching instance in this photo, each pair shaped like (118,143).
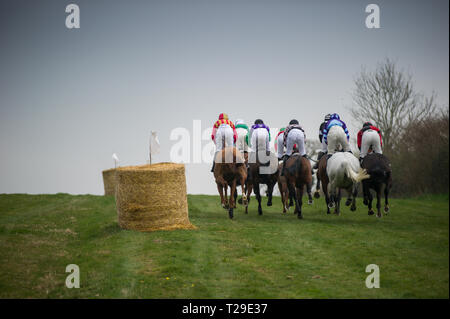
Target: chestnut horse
(228,171)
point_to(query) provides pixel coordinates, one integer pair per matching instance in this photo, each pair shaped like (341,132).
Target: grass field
(269,256)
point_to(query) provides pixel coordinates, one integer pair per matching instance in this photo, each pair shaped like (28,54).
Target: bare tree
(387,97)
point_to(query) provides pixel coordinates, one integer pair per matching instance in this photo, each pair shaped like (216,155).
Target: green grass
(269,256)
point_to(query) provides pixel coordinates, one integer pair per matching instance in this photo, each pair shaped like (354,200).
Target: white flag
(154,143)
(115,158)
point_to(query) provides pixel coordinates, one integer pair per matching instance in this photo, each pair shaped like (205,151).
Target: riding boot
(285,158)
(319,156)
(212,168)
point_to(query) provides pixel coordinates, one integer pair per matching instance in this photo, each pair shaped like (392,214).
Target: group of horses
(340,171)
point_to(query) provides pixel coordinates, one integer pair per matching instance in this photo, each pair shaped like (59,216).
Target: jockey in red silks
(223,134)
(369,137)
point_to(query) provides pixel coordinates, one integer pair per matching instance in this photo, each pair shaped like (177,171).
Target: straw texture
(109,181)
(152,197)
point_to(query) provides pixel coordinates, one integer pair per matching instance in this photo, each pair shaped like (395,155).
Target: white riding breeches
(295,136)
(370,138)
(260,137)
(240,143)
(336,136)
(224,133)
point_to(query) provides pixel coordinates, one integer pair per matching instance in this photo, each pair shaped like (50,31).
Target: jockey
(279,146)
(324,146)
(242,136)
(223,131)
(294,134)
(260,136)
(336,136)
(369,137)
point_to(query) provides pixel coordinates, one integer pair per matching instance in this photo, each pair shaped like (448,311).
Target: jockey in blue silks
(335,132)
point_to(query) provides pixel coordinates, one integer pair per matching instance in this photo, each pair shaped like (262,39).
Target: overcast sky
(69,98)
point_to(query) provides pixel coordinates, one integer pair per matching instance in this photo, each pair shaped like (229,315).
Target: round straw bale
(152,197)
(109,181)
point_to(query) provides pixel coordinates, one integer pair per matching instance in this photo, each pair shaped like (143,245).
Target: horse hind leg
(300,201)
(308,191)
(258,197)
(354,194)
(317,192)
(369,203)
(379,214)
(269,194)
(386,202)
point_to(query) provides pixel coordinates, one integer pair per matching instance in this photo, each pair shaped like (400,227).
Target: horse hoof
(371,212)
(300,216)
(386,209)
(348,202)
(365,202)
(240,201)
(316,195)
(245,202)
(269,203)
(379,215)
(330,205)
(310,202)
(230,213)
(353,208)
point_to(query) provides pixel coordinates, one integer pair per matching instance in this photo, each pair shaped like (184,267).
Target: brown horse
(229,169)
(379,168)
(284,191)
(298,175)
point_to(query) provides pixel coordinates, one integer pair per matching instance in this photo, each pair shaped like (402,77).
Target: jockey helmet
(327,117)
(223,116)
(259,121)
(239,121)
(292,122)
(367,124)
(335,116)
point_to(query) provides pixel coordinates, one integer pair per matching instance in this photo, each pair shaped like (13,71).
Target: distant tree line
(415,130)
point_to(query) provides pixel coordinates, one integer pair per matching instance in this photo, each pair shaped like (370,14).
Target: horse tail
(257,143)
(299,165)
(355,177)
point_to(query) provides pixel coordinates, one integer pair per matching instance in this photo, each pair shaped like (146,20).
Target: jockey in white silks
(293,135)
(369,137)
(260,137)
(242,136)
(335,133)
(223,134)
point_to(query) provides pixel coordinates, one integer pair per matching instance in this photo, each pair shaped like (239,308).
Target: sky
(70,98)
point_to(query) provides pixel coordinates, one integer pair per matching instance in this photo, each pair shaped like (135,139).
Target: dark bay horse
(261,173)
(230,170)
(379,168)
(298,175)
